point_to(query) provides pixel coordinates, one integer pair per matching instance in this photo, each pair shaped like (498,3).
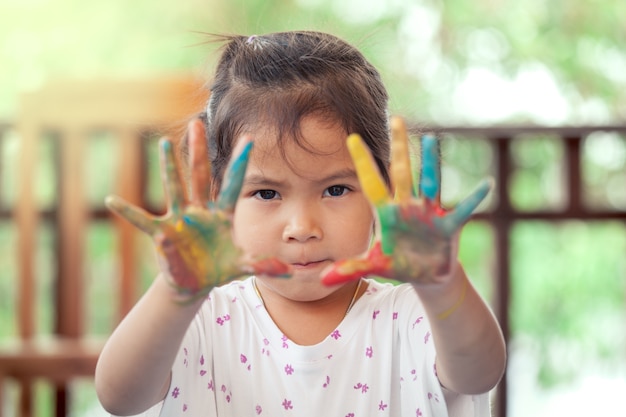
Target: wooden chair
(128,108)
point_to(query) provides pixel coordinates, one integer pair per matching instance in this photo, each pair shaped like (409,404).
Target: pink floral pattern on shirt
(251,368)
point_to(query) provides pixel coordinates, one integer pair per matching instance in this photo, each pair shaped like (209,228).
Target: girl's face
(308,211)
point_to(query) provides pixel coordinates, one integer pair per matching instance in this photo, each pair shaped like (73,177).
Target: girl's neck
(309,323)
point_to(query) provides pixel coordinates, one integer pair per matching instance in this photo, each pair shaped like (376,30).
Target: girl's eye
(336,190)
(266,194)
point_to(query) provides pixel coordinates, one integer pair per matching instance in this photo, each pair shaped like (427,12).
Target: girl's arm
(471,353)
(133,371)
(417,243)
(196,253)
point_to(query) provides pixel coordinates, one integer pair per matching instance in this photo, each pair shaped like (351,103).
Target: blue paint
(173,187)
(166,145)
(233,179)
(430,173)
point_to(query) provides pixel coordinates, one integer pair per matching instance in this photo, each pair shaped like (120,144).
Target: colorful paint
(373,184)
(194,242)
(233,181)
(415,231)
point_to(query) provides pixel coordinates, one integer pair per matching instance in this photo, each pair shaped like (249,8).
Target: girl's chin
(302,276)
(310,273)
(313,271)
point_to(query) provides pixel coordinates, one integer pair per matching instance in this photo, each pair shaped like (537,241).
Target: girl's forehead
(319,148)
(316,136)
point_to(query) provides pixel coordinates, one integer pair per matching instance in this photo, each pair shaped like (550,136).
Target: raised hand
(416,237)
(193,239)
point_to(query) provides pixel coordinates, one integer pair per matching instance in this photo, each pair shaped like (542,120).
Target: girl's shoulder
(385,289)
(382,293)
(232,296)
(232,289)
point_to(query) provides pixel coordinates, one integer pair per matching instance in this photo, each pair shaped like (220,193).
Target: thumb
(348,270)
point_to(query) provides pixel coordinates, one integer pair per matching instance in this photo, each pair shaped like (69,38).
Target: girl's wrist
(445,295)
(454,307)
(181,295)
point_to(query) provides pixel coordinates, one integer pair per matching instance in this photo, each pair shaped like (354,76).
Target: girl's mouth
(307,265)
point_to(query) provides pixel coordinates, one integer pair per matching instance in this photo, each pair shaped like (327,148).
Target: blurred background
(460,66)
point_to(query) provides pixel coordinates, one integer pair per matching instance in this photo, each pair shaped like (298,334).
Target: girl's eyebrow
(258,179)
(344,174)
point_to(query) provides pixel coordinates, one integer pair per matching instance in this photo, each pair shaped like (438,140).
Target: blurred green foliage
(568,289)
(568,286)
(426,49)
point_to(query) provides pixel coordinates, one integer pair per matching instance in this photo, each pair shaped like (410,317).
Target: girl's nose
(303,224)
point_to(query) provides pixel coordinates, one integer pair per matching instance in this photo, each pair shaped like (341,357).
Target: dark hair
(277,79)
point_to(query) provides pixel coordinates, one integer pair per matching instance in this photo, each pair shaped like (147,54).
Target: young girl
(309,218)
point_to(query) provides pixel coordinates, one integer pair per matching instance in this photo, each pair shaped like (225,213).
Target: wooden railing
(65,115)
(80,359)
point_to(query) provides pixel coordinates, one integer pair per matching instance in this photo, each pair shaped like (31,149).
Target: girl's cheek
(236,229)
(233,236)
(244,225)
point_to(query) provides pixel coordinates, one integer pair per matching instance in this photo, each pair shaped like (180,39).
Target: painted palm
(193,239)
(416,237)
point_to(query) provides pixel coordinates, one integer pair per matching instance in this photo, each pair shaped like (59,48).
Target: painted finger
(389,219)
(233,177)
(185,276)
(134,215)
(269,266)
(171,179)
(200,164)
(376,263)
(400,161)
(430,172)
(346,271)
(369,176)
(461,213)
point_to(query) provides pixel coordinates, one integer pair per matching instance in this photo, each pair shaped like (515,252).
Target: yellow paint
(350,267)
(369,177)
(400,161)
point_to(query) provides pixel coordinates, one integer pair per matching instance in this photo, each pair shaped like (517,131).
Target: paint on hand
(457,217)
(348,270)
(233,180)
(169,173)
(192,247)
(369,176)
(270,266)
(430,178)
(193,239)
(400,162)
(415,232)
(134,215)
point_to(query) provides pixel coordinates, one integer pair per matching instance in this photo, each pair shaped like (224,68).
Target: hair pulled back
(275,80)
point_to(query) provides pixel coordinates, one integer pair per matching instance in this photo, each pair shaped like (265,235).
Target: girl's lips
(307,265)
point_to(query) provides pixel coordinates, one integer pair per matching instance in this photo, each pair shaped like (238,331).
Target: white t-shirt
(380,361)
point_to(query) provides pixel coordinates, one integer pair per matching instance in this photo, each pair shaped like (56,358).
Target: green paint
(233,180)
